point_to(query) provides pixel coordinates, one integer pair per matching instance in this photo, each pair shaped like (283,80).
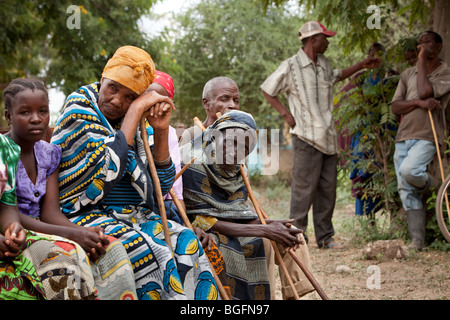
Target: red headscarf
(165,81)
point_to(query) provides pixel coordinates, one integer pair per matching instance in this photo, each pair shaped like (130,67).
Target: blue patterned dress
(104,182)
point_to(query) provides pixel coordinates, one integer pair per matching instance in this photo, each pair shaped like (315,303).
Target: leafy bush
(364,113)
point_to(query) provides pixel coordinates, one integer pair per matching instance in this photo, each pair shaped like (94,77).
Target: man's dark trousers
(314,179)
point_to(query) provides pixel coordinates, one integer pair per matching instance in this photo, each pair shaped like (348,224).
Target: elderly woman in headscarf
(216,200)
(105,178)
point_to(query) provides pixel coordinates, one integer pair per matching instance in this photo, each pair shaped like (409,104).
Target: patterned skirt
(246,267)
(55,268)
(18,277)
(161,273)
(111,276)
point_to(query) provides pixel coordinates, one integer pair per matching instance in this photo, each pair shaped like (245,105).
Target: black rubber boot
(416,226)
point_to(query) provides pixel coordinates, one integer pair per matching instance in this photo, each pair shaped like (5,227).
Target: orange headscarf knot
(132,67)
(139,69)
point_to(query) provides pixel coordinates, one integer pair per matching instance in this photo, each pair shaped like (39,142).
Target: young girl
(27,112)
(19,280)
(27,274)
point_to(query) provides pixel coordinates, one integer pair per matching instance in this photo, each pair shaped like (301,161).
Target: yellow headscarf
(132,67)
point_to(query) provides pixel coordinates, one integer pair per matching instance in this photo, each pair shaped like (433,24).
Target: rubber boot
(416,226)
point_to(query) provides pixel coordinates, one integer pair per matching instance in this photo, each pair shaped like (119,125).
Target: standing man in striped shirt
(307,79)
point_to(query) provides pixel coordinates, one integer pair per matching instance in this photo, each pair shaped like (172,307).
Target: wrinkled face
(232,147)
(114,99)
(29,115)
(225,97)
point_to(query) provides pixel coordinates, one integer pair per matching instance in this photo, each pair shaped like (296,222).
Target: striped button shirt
(309,89)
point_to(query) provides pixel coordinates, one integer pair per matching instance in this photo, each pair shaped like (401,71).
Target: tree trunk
(439,23)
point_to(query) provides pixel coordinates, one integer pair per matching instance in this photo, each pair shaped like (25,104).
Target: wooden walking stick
(199,123)
(157,184)
(307,273)
(179,174)
(262,216)
(439,158)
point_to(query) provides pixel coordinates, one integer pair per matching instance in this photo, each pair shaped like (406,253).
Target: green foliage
(16,31)
(79,55)
(397,18)
(365,111)
(365,231)
(36,41)
(231,38)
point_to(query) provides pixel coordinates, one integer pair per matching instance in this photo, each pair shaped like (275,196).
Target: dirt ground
(346,275)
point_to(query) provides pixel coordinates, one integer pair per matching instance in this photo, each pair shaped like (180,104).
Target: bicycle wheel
(442,208)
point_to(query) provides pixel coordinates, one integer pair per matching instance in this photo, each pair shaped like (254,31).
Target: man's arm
(368,63)
(424,87)
(277,105)
(401,107)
